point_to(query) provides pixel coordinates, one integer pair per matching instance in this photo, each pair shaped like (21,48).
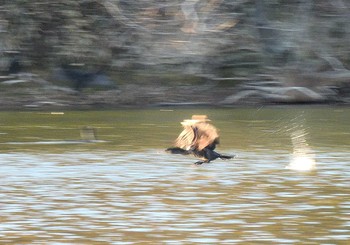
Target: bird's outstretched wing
(207,135)
(186,138)
(198,136)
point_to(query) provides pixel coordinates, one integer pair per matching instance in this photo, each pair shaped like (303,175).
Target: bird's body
(199,138)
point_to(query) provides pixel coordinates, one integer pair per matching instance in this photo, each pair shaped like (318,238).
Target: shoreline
(165,107)
(32,95)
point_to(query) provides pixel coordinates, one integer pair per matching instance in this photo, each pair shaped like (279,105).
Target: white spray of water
(303,158)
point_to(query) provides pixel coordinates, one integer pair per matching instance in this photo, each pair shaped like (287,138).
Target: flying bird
(199,138)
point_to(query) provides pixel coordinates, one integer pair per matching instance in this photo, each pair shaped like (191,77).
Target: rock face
(206,38)
(80,78)
(162,44)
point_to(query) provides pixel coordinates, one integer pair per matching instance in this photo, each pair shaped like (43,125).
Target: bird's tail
(225,157)
(177,150)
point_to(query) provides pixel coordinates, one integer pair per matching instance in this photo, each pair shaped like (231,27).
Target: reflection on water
(126,190)
(303,157)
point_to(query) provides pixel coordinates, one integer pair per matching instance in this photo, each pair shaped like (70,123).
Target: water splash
(303,158)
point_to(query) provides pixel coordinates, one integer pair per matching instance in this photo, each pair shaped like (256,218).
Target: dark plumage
(199,138)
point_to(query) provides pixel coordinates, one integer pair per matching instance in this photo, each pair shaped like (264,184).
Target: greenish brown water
(124,189)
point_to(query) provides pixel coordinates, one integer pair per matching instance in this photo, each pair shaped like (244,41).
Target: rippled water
(123,188)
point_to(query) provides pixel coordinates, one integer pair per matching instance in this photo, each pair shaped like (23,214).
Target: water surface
(56,188)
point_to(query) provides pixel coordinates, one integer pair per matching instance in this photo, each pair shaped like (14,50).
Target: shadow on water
(118,186)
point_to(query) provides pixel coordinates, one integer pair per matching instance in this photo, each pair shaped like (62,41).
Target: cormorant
(199,138)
